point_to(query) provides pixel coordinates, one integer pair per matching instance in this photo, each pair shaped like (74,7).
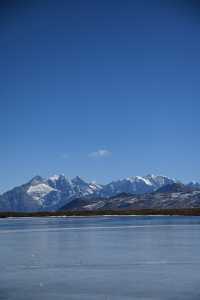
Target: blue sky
(100,89)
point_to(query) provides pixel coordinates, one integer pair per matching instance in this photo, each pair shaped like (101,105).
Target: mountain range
(59,192)
(172,196)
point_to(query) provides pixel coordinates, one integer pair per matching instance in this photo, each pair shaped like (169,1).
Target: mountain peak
(150,176)
(78,180)
(36,179)
(54,177)
(57,177)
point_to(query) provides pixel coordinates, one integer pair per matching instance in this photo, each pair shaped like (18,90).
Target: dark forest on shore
(142,212)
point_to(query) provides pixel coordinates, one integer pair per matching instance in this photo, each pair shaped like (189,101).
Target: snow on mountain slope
(159,181)
(38,191)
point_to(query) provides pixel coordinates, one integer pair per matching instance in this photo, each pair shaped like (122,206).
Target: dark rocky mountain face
(170,196)
(17,200)
(60,183)
(176,187)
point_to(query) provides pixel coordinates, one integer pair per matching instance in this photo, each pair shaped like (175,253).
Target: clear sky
(99,88)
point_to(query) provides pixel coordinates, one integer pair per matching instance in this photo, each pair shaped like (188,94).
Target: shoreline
(107,213)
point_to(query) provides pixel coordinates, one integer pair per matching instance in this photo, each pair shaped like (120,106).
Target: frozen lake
(124,258)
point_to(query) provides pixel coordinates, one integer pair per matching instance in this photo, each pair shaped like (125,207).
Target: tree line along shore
(142,212)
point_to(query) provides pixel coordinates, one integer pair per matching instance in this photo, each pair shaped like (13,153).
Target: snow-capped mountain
(55,192)
(46,194)
(135,185)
